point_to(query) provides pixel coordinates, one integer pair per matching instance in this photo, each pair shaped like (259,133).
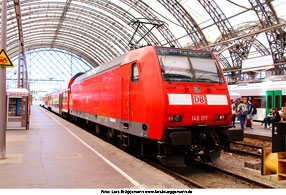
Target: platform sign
(5,60)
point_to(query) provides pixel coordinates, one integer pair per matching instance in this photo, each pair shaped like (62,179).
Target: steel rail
(248,145)
(236,151)
(185,180)
(245,152)
(263,185)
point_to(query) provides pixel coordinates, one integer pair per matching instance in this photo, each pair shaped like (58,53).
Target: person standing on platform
(251,112)
(242,111)
(233,116)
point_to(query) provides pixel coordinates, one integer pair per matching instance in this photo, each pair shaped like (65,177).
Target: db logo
(199,99)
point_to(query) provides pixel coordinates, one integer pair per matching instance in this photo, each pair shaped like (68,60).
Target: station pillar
(3,110)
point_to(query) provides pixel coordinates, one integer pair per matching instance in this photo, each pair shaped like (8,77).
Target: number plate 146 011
(199,118)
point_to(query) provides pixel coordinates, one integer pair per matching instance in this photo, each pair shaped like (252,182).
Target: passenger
(233,116)
(276,117)
(280,111)
(242,111)
(283,109)
(251,112)
(266,119)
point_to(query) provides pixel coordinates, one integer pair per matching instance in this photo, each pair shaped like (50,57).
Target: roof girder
(104,56)
(99,14)
(277,37)
(143,9)
(66,46)
(84,47)
(187,22)
(85,27)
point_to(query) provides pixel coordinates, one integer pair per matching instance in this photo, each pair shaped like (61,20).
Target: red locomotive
(172,101)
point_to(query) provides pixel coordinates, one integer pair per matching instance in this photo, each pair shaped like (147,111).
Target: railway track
(248,145)
(226,178)
(216,177)
(246,149)
(192,175)
(207,176)
(187,181)
(250,181)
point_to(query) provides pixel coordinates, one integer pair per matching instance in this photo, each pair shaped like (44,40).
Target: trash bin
(279,137)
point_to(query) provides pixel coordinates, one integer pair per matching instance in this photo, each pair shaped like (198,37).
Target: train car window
(258,101)
(65,95)
(277,101)
(176,68)
(269,102)
(135,72)
(206,70)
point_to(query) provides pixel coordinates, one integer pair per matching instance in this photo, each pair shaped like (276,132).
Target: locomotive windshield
(189,66)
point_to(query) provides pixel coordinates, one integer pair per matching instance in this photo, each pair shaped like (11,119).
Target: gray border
(134,128)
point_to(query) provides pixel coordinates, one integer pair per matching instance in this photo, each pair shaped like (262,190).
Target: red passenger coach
(177,98)
(59,101)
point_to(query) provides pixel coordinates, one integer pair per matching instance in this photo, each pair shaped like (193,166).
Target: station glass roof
(100,30)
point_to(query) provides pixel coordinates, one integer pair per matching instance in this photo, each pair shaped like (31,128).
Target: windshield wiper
(179,76)
(166,77)
(206,80)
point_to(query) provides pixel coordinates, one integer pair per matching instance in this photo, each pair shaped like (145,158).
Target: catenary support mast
(3,109)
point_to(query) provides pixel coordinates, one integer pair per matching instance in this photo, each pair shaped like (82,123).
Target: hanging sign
(5,60)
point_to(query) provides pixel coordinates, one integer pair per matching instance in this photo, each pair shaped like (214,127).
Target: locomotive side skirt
(134,128)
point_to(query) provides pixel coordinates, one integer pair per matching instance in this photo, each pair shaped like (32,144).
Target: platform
(57,154)
(258,131)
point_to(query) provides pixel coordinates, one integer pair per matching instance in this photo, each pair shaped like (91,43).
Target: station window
(135,72)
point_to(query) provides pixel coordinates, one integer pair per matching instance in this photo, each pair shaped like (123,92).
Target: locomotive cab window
(189,66)
(176,68)
(135,72)
(206,70)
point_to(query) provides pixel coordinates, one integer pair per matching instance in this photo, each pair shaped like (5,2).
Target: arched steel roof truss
(277,37)
(100,30)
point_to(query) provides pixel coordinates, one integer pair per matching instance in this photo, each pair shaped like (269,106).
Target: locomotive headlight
(175,118)
(220,117)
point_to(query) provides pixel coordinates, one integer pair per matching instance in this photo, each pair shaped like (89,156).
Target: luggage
(248,123)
